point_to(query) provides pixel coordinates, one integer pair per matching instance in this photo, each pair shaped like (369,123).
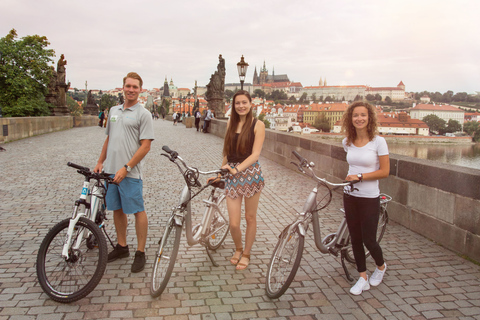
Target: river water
(461,155)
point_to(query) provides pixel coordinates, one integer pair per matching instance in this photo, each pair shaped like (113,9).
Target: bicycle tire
(284,263)
(68,281)
(382,225)
(220,226)
(165,259)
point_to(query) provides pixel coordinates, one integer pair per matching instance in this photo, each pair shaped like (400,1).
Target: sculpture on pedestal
(215,94)
(57,89)
(91,107)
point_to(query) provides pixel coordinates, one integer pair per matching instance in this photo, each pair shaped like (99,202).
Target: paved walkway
(37,189)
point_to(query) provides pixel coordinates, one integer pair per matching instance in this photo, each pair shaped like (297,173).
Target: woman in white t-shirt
(368,160)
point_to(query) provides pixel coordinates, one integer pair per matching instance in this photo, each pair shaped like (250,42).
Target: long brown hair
(244,136)
(349,129)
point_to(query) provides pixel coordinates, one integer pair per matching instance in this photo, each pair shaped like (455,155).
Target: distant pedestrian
(101,117)
(175,116)
(198,115)
(368,160)
(208,118)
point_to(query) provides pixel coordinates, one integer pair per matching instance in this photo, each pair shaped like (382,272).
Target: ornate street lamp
(242,71)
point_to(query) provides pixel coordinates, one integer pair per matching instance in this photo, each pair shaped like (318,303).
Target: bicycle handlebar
(173,155)
(304,164)
(87,173)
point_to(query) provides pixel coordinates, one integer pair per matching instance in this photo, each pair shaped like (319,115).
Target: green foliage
(261,117)
(303,98)
(229,94)
(27,107)
(24,75)
(453,126)
(388,99)
(434,123)
(471,127)
(370,97)
(378,97)
(107,101)
(259,93)
(73,106)
(322,124)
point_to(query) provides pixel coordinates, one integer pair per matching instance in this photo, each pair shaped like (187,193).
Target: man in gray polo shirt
(129,136)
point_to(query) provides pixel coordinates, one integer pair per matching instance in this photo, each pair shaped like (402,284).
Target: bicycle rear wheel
(382,225)
(219,227)
(284,263)
(165,258)
(68,280)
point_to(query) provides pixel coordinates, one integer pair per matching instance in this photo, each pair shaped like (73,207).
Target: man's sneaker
(360,286)
(118,253)
(139,262)
(377,276)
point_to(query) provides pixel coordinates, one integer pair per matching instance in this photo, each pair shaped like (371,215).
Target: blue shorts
(128,195)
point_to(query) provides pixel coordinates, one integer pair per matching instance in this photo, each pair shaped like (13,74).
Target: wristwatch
(128,168)
(360,176)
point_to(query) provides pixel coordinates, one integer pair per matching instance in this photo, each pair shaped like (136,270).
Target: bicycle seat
(219,184)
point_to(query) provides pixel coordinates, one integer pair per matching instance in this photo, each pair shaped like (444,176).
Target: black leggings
(362,220)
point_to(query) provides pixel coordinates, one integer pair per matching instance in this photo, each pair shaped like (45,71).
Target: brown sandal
(235,260)
(243,266)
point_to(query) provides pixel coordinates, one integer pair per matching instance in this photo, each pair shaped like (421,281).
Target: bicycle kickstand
(106,234)
(347,273)
(210,256)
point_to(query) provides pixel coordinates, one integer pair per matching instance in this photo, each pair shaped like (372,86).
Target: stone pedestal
(189,122)
(218,107)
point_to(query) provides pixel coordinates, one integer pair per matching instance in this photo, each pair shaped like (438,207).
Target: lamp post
(242,71)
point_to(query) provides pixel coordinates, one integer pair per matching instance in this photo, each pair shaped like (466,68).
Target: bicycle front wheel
(284,263)
(219,227)
(67,280)
(382,225)
(165,259)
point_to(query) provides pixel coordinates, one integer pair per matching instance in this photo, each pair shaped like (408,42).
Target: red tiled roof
(437,107)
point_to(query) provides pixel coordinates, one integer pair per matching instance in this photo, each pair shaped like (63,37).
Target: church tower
(263,74)
(255,77)
(320,83)
(166,92)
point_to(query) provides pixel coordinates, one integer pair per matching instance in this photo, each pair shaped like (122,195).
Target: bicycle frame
(90,199)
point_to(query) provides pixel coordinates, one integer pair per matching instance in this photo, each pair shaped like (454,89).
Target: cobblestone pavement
(37,189)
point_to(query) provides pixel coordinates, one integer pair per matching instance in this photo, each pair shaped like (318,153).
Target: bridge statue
(57,88)
(215,94)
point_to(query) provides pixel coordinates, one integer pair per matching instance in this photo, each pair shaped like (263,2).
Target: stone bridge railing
(24,127)
(436,200)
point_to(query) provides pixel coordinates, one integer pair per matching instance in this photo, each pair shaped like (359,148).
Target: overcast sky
(431,45)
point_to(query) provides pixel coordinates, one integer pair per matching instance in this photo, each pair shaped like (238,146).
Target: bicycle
(73,255)
(288,251)
(211,232)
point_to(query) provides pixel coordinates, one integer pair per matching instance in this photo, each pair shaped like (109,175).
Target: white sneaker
(377,276)
(360,286)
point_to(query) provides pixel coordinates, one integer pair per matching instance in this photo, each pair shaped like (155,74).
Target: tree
(229,94)
(303,98)
(388,99)
(314,98)
(370,97)
(25,73)
(73,106)
(261,117)
(357,98)
(434,123)
(322,124)
(259,93)
(292,99)
(453,126)
(470,127)
(378,97)
(460,96)
(107,101)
